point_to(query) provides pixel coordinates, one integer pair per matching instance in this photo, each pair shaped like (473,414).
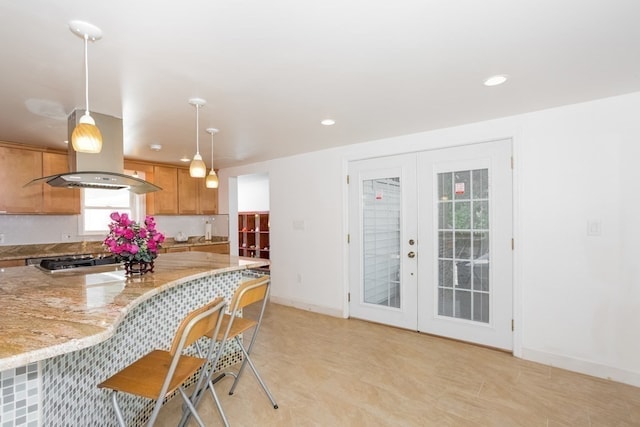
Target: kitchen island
(62,333)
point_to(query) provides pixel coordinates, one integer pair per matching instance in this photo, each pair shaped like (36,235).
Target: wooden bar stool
(160,373)
(232,327)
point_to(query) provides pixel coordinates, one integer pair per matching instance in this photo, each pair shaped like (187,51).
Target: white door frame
(515,135)
(403,167)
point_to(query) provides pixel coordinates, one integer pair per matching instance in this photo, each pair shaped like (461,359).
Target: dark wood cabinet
(253,234)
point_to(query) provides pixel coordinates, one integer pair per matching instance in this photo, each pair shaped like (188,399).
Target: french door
(382,221)
(430,242)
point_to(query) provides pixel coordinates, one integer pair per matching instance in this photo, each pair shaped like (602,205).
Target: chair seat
(146,376)
(239,326)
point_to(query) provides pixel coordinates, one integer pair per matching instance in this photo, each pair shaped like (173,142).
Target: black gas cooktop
(63,263)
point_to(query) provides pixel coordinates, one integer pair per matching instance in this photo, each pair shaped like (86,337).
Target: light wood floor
(325,371)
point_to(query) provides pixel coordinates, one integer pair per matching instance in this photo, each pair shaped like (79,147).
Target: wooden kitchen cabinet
(145,171)
(20,165)
(11,263)
(194,198)
(177,249)
(181,194)
(17,167)
(165,200)
(207,200)
(58,200)
(188,193)
(220,248)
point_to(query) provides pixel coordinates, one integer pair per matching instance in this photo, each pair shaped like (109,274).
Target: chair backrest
(250,292)
(197,323)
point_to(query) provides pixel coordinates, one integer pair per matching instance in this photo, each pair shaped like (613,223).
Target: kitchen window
(98,204)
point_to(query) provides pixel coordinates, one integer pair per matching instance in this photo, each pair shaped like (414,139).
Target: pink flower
(131,241)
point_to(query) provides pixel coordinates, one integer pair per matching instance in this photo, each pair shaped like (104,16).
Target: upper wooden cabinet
(131,166)
(58,200)
(165,200)
(20,165)
(188,193)
(208,198)
(181,194)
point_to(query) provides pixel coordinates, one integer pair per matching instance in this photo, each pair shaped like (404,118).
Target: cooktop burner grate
(75,262)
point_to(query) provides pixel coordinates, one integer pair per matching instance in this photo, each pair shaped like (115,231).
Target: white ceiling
(271,70)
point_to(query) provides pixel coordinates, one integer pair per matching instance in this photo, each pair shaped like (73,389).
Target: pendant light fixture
(86,137)
(197,169)
(212,178)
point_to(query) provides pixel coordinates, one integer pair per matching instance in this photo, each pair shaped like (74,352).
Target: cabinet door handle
(411,254)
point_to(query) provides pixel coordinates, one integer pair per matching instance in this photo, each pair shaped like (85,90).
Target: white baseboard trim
(306,306)
(582,366)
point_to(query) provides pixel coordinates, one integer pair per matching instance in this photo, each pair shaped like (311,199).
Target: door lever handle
(411,254)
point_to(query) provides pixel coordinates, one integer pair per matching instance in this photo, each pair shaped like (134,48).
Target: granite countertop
(46,314)
(11,252)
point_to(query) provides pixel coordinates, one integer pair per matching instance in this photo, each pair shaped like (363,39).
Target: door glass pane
(463,234)
(445,274)
(445,215)
(463,215)
(381,241)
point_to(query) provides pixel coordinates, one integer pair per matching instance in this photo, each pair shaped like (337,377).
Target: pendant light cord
(86,74)
(197,127)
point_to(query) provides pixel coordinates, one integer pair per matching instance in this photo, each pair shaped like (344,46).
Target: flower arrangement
(132,242)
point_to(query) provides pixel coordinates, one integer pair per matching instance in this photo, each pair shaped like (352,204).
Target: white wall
(253,193)
(576,296)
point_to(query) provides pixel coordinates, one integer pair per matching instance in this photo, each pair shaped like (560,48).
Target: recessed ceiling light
(185,159)
(328,122)
(156,147)
(496,80)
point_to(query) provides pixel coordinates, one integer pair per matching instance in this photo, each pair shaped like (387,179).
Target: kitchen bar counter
(22,252)
(63,332)
(46,314)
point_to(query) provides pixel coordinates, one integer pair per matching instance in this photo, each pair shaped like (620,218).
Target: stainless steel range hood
(103,170)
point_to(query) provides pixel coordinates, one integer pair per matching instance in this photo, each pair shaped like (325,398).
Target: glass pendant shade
(212,180)
(86,137)
(197,169)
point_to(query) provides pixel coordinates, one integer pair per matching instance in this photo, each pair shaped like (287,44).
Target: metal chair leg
(119,416)
(192,408)
(200,389)
(247,360)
